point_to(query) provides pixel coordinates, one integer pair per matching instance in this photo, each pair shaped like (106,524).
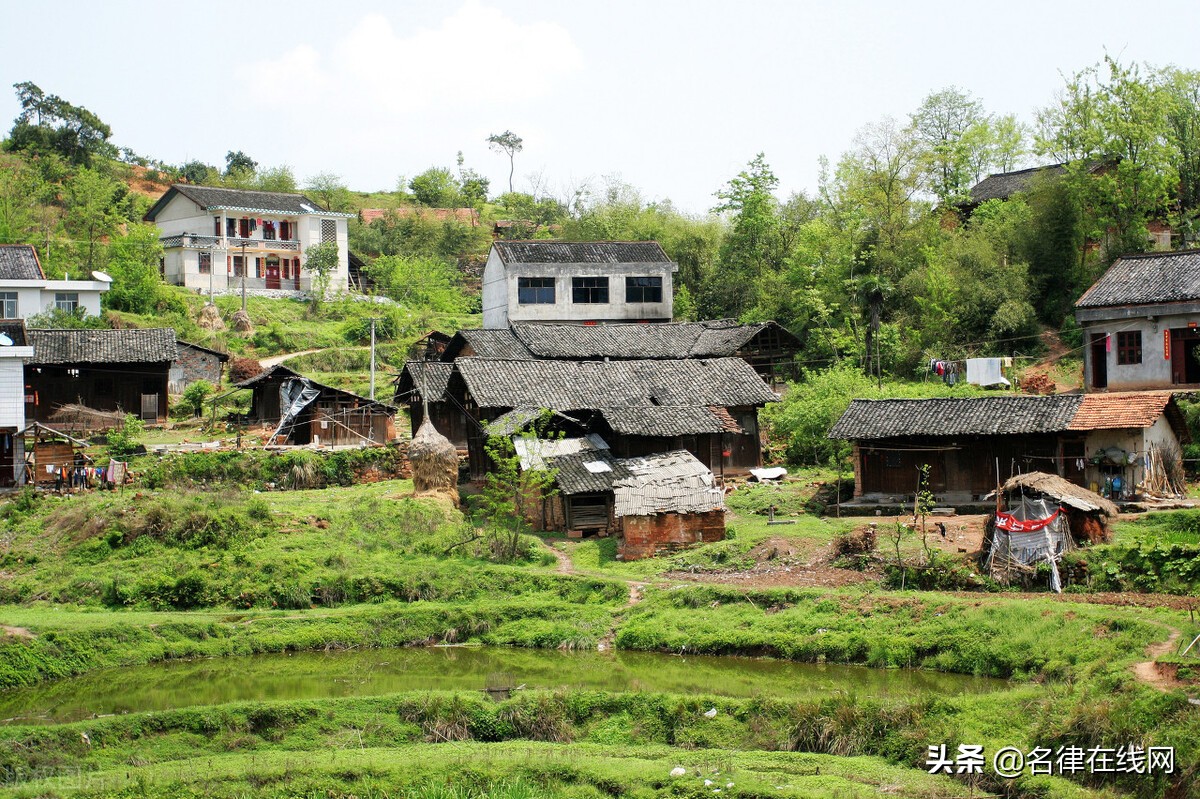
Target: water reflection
(320,675)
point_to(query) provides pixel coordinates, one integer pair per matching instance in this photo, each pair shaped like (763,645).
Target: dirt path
(636,594)
(1147,670)
(564,560)
(275,360)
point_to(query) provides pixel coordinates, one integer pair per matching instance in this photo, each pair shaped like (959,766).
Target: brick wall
(856,459)
(193,365)
(645,536)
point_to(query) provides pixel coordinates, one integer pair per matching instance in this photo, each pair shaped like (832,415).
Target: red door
(272,272)
(296,272)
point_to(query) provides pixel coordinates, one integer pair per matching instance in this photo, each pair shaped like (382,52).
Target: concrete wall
(36,296)
(1155,369)
(12,386)
(646,536)
(500,305)
(1135,441)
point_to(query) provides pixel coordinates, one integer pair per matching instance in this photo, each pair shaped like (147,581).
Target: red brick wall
(645,536)
(856,459)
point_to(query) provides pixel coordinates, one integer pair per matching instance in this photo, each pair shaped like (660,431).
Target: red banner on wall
(1167,345)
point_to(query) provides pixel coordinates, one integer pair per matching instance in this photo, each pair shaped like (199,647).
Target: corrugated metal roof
(580,252)
(538,453)
(673,482)
(1150,278)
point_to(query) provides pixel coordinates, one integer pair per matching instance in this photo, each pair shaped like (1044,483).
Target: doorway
(272,271)
(1185,368)
(1099,360)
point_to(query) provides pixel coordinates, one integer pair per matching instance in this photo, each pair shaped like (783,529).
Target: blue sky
(671,97)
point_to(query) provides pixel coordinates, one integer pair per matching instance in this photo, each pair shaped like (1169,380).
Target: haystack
(79,418)
(210,318)
(434,462)
(242,323)
(1087,512)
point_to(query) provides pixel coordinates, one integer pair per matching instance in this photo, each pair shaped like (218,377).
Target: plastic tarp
(1033,531)
(295,394)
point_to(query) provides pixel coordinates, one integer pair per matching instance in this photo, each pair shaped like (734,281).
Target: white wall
(1135,441)
(12,386)
(495,293)
(36,296)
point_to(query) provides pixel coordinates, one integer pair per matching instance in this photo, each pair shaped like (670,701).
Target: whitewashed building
(576,281)
(14,350)
(214,237)
(25,290)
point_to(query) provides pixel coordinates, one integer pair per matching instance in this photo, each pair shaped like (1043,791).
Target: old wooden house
(708,407)
(107,370)
(972,444)
(303,412)
(424,384)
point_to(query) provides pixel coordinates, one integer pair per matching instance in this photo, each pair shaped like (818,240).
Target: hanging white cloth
(985,372)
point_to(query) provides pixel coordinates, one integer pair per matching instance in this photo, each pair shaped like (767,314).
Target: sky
(673,98)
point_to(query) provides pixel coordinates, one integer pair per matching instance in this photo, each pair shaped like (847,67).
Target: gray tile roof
(573,477)
(673,482)
(428,379)
(1150,278)
(583,385)
(15,330)
(580,252)
(1001,415)
(1003,185)
(716,338)
(19,262)
(652,420)
(153,345)
(214,198)
(487,344)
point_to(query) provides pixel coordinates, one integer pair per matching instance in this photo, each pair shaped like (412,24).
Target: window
(285,231)
(206,263)
(643,289)
(216,226)
(268,231)
(589,289)
(239,269)
(328,230)
(230,227)
(66,301)
(8,305)
(244,227)
(1129,347)
(535,290)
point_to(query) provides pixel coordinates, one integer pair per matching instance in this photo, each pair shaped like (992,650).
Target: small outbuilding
(193,363)
(305,412)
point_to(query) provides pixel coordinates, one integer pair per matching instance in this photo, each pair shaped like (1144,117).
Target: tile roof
(1149,278)
(281,373)
(673,482)
(584,385)
(1000,415)
(499,343)
(575,477)
(1003,185)
(221,356)
(580,252)
(214,198)
(714,338)
(653,420)
(20,262)
(1123,410)
(153,345)
(426,379)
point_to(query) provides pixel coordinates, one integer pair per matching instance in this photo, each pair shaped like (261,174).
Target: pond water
(321,675)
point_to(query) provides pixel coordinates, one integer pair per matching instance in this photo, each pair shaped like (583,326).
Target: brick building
(193,363)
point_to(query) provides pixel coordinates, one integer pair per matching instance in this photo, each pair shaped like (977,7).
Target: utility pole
(243,275)
(372,357)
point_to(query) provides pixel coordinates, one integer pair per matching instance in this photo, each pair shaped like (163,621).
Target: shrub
(243,369)
(123,440)
(195,395)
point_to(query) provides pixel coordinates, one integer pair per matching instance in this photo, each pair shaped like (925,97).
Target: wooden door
(272,273)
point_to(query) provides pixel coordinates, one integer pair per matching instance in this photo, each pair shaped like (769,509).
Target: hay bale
(210,318)
(242,323)
(434,462)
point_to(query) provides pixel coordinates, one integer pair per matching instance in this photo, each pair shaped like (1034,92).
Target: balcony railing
(192,241)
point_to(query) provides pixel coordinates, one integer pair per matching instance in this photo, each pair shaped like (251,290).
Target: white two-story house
(587,282)
(215,237)
(25,290)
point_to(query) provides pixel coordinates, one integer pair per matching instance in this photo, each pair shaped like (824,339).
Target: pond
(372,672)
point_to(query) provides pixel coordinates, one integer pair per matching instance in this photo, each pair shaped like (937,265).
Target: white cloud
(476,56)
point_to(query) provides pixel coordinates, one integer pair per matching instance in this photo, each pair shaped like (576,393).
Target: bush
(195,395)
(123,440)
(243,369)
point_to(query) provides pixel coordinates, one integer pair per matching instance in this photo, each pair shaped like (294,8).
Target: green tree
(510,144)
(133,264)
(199,173)
(329,190)
(238,161)
(321,261)
(195,395)
(436,188)
(1182,88)
(956,135)
(419,283)
(472,186)
(47,123)
(278,178)
(91,209)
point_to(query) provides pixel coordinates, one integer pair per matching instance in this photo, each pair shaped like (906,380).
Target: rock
(678,771)
(711,713)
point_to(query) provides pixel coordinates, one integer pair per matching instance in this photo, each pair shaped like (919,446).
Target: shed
(195,362)
(51,456)
(305,412)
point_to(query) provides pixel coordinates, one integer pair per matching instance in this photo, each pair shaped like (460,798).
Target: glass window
(589,289)
(239,269)
(205,263)
(643,289)
(230,227)
(66,301)
(535,290)
(1129,347)
(8,305)
(268,231)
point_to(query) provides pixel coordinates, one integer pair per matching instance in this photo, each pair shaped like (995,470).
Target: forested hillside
(884,265)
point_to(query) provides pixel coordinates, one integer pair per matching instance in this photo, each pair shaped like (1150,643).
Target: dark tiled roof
(870,419)
(580,252)
(645,420)
(153,345)
(15,330)
(212,197)
(580,385)
(1003,185)
(487,344)
(717,338)
(573,477)
(221,356)
(428,379)
(280,372)
(1150,278)
(19,262)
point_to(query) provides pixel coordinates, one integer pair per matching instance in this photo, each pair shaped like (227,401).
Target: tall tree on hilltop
(510,144)
(48,123)
(956,135)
